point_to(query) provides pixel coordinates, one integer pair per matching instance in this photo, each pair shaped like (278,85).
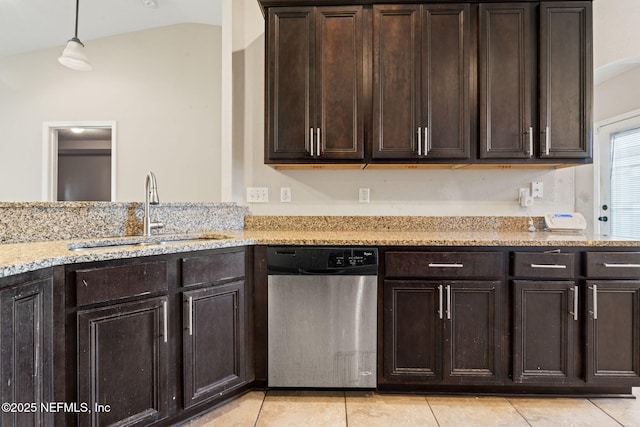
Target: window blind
(625,184)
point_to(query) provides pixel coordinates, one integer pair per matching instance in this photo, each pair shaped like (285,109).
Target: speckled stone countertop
(22,257)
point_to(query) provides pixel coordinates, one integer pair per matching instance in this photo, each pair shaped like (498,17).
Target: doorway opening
(79,161)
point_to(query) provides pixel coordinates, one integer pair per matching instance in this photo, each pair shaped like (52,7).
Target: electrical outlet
(285,195)
(537,189)
(363,195)
(524,197)
(257,195)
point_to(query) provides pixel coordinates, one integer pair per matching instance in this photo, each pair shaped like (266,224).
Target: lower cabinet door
(123,363)
(213,341)
(412,344)
(613,332)
(26,321)
(545,324)
(472,332)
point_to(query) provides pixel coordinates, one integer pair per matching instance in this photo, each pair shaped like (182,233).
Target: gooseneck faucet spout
(150,198)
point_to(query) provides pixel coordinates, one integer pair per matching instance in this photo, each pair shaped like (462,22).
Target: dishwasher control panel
(322,260)
(352,258)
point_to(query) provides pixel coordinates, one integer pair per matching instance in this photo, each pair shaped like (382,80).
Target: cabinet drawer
(212,268)
(110,283)
(613,265)
(444,264)
(544,265)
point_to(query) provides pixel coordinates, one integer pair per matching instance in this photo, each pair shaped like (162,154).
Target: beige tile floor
(365,409)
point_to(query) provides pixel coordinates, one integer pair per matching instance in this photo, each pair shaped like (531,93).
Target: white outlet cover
(363,195)
(285,194)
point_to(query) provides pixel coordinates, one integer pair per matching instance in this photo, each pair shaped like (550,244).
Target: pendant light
(73,55)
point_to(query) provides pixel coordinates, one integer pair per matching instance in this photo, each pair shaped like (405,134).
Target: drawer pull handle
(190,315)
(554,266)
(440,265)
(612,265)
(165,320)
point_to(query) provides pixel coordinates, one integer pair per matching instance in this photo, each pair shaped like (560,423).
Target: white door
(619,170)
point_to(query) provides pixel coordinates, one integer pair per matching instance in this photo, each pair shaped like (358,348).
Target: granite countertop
(18,258)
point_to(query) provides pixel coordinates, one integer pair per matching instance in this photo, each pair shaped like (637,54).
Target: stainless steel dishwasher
(322,317)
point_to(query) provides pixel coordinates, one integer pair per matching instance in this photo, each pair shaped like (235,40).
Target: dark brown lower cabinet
(27,351)
(545,328)
(213,341)
(442,331)
(613,331)
(123,361)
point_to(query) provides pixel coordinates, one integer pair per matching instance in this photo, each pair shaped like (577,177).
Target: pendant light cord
(77,8)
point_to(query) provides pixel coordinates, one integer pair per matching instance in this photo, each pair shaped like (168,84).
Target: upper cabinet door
(290,70)
(446,55)
(339,83)
(396,81)
(566,79)
(421,82)
(507,81)
(315,84)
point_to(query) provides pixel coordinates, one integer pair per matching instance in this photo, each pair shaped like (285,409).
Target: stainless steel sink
(136,242)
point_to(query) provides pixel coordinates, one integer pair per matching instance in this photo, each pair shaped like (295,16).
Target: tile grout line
(264,397)
(346,413)
(426,398)
(518,412)
(604,411)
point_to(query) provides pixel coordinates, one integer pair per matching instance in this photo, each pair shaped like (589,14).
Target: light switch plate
(257,195)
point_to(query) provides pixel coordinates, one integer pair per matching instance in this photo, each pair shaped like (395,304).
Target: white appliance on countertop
(565,222)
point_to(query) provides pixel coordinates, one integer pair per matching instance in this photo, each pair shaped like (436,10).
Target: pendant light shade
(73,55)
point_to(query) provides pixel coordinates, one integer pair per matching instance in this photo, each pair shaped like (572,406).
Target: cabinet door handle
(426,140)
(575,303)
(547,143)
(318,141)
(311,142)
(615,265)
(445,265)
(419,142)
(594,289)
(448,302)
(553,266)
(190,315)
(165,320)
(440,301)
(530,141)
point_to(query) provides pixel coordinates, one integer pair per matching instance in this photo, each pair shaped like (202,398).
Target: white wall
(393,192)
(161,86)
(616,31)
(616,36)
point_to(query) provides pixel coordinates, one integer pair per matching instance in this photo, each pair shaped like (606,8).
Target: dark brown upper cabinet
(566,80)
(463,83)
(514,122)
(421,84)
(507,80)
(315,110)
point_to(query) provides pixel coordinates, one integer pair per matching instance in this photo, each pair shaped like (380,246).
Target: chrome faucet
(150,198)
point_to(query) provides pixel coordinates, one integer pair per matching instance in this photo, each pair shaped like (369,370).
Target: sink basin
(137,242)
